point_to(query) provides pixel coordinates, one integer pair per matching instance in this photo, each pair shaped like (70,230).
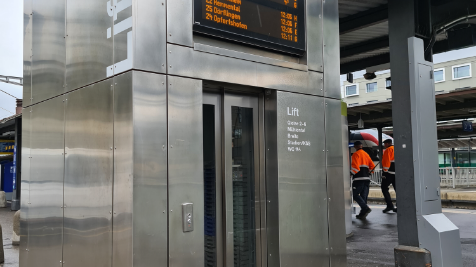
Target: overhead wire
(9,94)
(7,111)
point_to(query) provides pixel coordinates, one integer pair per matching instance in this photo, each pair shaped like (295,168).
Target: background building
(449,76)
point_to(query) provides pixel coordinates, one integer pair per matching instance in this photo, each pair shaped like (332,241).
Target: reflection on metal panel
(314,35)
(179,22)
(150,34)
(185,170)
(331,49)
(184,61)
(46,183)
(335,183)
(48,40)
(27,45)
(25,187)
(297,196)
(346,174)
(88,176)
(150,170)
(88,50)
(123,174)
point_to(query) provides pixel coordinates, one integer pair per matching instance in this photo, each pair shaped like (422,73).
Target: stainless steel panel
(88,176)
(27,46)
(49,55)
(89,51)
(250,57)
(345,173)
(46,183)
(122,236)
(331,49)
(180,22)
(150,170)
(184,61)
(25,187)
(335,183)
(314,35)
(185,169)
(297,197)
(150,47)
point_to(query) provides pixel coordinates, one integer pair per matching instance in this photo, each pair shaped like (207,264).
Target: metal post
(18,144)
(420,218)
(453,175)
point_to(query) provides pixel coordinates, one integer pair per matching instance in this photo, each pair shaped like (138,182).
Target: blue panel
(8,172)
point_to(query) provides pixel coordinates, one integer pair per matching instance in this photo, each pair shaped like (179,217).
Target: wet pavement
(11,252)
(375,238)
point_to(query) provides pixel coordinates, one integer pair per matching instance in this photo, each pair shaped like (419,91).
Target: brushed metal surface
(150,169)
(331,49)
(88,183)
(335,183)
(185,169)
(150,47)
(346,174)
(180,22)
(46,183)
(184,61)
(246,56)
(122,224)
(252,103)
(88,50)
(25,188)
(314,38)
(27,46)
(49,54)
(298,194)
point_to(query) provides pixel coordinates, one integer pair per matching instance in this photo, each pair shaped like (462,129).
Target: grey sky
(11,52)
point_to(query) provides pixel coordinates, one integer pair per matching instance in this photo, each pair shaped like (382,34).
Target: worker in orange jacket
(388,176)
(362,166)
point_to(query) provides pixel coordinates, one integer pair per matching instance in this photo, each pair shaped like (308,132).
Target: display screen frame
(207,27)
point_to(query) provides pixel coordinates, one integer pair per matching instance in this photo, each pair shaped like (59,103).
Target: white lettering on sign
(293,111)
(295,141)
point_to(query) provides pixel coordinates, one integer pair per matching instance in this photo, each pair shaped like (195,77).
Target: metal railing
(457,177)
(449,177)
(376,177)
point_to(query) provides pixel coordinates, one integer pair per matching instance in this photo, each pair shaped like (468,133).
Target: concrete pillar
(2,254)
(3,200)
(16,229)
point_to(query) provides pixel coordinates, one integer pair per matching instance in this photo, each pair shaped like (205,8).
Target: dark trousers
(389,180)
(360,191)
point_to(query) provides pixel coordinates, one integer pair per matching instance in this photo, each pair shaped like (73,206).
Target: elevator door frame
(223,101)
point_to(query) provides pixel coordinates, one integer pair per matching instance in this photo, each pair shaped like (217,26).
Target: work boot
(395,210)
(367,211)
(387,209)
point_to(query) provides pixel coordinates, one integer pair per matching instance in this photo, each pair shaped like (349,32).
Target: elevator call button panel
(187,217)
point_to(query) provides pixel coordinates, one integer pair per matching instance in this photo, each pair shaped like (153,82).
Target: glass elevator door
(231,180)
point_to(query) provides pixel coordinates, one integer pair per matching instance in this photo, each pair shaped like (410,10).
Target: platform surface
(375,238)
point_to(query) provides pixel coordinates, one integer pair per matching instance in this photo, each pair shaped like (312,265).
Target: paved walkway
(375,238)
(11,252)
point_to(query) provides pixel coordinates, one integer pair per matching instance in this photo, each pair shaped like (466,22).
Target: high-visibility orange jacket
(362,164)
(388,160)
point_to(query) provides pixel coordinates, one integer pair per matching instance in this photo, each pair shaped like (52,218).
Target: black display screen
(274,24)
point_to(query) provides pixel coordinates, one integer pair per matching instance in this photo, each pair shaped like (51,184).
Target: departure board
(274,24)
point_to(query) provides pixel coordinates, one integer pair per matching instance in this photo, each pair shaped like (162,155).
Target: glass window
(351,90)
(439,75)
(441,160)
(371,87)
(388,84)
(460,72)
